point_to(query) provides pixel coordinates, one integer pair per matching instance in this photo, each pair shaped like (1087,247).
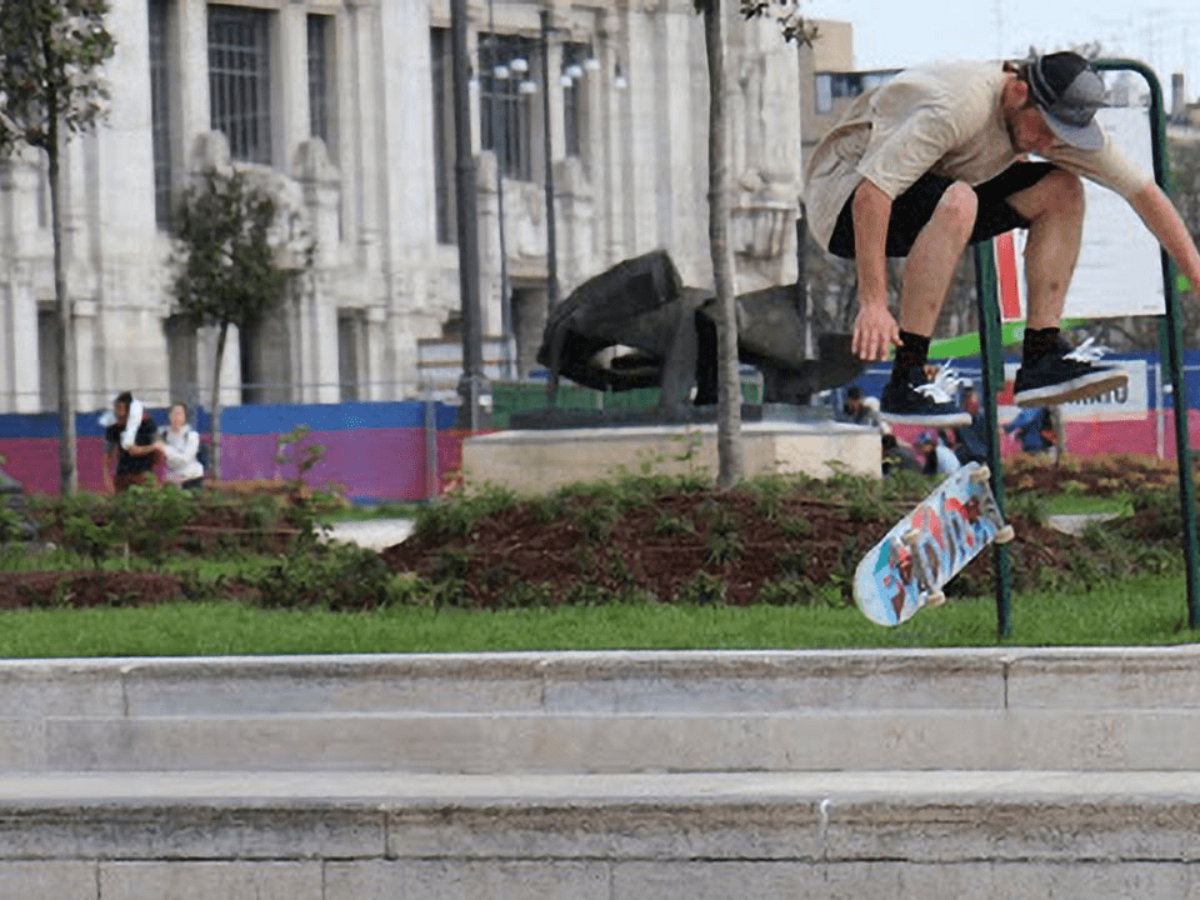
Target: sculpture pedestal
(537,462)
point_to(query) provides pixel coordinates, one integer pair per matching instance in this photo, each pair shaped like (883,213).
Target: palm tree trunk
(729,395)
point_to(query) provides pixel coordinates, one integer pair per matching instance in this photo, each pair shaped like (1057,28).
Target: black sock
(912,355)
(1038,342)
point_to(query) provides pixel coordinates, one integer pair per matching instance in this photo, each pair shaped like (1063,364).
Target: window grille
(160,111)
(443,136)
(239,79)
(574,58)
(319,77)
(505,103)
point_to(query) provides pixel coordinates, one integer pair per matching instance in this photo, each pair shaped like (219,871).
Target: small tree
(51,54)
(236,255)
(730,459)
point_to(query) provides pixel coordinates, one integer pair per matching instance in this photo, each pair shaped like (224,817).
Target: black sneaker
(919,400)
(1063,375)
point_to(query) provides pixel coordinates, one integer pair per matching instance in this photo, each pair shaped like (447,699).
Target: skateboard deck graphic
(908,568)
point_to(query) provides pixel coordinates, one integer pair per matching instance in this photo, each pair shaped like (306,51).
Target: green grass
(1143,611)
(1082,504)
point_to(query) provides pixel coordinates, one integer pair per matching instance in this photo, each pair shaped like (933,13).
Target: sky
(1165,34)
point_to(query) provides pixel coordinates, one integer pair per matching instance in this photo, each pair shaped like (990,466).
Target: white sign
(1120,270)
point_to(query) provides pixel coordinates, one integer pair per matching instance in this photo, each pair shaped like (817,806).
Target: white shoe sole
(1080,388)
(949,420)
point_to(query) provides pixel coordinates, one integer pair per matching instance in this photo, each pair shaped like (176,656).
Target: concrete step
(369,836)
(608,682)
(1088,709)
(829,740)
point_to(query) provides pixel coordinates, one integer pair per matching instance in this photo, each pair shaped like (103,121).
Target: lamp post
(473,388)
(551,236)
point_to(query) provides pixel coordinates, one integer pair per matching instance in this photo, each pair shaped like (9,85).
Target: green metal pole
(1174,338)
(991,349)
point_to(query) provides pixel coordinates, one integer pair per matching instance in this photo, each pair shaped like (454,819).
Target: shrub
(335,576)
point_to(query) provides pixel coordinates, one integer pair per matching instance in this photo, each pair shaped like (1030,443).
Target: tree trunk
(68,470)
(214,454)
(729,396)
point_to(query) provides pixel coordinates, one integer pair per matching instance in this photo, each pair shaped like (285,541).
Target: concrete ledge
(930,817)
(535,462)
(610,712)
(810,740)
(610,681)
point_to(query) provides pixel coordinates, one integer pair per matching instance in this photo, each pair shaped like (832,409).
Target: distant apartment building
(829,81)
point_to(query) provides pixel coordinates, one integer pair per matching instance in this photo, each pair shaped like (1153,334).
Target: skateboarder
(935,159)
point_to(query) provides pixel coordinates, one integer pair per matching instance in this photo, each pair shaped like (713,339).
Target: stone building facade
(350,103)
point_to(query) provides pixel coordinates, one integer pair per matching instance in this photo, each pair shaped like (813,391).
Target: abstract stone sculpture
(636,325)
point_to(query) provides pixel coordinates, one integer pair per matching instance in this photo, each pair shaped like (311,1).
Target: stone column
(577,225)
(373,359)
(89,394)
(190,43)
(364,40)
(293,124)
(767,161)
(612,180)
(488,213)
(19,365)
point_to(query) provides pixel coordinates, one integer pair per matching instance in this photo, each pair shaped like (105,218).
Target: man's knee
(958,207)
(1065,190)
(1058,193)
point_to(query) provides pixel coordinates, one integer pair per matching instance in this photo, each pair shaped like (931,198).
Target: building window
(443,135)
(160,111)
(320,79)
(575,56)
(833,86)
(239,80)
(824,85)
(48,358)
(506,89)
(182,359)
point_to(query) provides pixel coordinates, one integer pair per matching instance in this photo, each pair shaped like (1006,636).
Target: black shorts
(912,210)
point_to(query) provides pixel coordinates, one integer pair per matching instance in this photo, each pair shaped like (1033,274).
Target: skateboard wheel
(936,598)
(1005,534)
(983,473)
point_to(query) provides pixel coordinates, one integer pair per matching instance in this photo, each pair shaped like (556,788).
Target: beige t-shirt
(943,118)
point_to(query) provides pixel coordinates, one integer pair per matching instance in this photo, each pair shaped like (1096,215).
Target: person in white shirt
(180,445)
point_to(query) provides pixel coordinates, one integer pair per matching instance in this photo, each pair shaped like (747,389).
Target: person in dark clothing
(131,436)
(971,441)
(1034,428)
(897,458)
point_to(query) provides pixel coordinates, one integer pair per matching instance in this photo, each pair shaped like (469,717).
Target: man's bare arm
(1161,217)
(875,330)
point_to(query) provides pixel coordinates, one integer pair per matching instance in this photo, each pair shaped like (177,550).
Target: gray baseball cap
(1068,91)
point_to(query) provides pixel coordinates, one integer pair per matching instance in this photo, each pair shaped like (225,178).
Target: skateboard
(907,570)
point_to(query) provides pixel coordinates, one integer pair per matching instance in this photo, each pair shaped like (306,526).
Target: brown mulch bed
(83,589)
(514,548)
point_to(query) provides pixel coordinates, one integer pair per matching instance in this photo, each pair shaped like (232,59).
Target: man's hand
(875,333)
